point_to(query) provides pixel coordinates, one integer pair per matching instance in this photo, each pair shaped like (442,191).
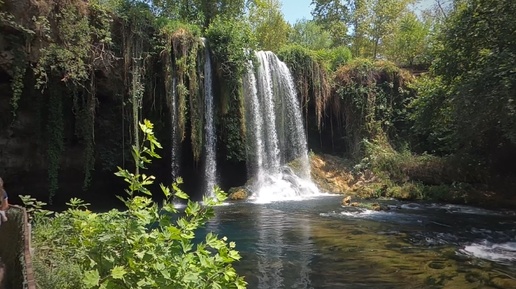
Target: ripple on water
(463,209)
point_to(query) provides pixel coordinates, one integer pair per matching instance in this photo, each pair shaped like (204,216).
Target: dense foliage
(478,70)
(374,96)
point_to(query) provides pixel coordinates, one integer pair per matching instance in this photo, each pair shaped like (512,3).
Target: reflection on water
(276,247)
(319,244)
(269,251)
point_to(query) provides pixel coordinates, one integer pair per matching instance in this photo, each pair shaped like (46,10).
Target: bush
(145,246)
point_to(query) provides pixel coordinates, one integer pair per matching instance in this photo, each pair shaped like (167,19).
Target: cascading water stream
(266,99)
(210,164)
(174,148)
(255,149)
(275,133)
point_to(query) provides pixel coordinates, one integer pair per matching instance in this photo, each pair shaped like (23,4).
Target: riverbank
(342,176)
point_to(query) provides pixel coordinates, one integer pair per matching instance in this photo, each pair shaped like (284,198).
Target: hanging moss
(19,42)
(185,47)
(89,134)
(196,101)
(75,37)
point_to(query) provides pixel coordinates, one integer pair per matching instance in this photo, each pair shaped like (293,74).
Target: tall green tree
(310,35)
(268,24)
(333,16)
(409,43)
(374,21)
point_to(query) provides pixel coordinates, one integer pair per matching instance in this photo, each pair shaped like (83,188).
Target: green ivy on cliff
(230,41)
(374,96)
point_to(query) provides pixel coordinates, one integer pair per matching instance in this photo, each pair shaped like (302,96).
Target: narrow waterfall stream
(210,164)
(174,148)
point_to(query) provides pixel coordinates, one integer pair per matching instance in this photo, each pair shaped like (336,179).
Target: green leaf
(180,194)
(118,272)
(192,209)
(175,233)
(234,255)
(91,278)
(165,190)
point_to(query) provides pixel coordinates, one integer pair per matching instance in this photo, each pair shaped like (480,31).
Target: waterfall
(210,164)
(174,150)
(275,133)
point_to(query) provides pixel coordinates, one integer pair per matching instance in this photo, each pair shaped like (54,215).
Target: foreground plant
(145,246)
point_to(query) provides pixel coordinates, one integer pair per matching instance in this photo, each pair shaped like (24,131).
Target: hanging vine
(75,38)
(55,138)
(20,43)
(137,89)
(17,84)
(88,132)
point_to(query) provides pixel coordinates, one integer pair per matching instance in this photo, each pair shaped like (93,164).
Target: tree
(375,20)
(410,41)
(310,35)
(268,24)
(333,16)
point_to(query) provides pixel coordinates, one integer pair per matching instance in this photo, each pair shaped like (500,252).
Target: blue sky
(294,10)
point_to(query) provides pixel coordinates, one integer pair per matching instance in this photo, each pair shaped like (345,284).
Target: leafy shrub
(335,57)
(145,246)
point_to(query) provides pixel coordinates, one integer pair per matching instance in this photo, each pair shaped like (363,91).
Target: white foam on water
(284,186)
(496,252)
(360,214)
(224,204)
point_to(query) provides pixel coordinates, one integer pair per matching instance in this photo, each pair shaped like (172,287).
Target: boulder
(346,201)
(238,193)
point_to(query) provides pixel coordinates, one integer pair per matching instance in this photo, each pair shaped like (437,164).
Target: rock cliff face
(23,138)
(23,154)
(27,29)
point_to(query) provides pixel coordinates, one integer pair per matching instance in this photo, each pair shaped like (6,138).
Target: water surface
(316,243)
